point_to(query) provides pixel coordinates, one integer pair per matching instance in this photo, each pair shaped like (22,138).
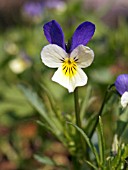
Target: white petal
(124,99)
(83,55)
(79,79)
(52,55)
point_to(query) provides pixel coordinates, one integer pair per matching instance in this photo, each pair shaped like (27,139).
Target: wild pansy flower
(121,85)
(70,58)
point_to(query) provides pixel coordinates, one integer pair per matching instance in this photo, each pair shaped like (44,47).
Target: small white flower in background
(115,145)
(69,59)
(20,64)
(58,5)
(121,85)
(11,48)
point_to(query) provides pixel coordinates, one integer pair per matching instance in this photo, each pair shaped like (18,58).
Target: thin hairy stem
(77,108)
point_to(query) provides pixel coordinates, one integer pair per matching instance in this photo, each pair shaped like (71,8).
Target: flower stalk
(100,111)
(77,108)
(78,122)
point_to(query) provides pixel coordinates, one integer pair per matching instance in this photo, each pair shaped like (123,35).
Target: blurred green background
(21,41)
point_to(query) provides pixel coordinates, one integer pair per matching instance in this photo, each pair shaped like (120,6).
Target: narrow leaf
(86,102)
(44,125)
(121,127)
(48,161)
(37,103)
(93,166)
(45,160)
(88,141)
(101,141)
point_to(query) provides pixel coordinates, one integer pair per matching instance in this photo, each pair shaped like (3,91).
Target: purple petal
(121,83)
(82,35)
(54,33)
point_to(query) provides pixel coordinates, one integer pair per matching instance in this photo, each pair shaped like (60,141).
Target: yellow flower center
(69,67)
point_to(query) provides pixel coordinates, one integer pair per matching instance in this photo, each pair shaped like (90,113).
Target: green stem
(100,113)
(78,123)
(77,108)
(121,129)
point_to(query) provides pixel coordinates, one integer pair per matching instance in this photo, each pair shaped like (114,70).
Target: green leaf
(37,103)
(88,141)
(101,142)
(90,122)
(34,99)
(93,166)
(57,114)
(86,102)
(122,123)
(45,160)
(121,126)
(44,125)
(50,97)
(48,161)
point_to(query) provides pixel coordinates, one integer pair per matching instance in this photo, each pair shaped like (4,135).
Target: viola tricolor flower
(121,85)
(70,58)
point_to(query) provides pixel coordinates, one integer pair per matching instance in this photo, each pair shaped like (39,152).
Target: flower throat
(69,67)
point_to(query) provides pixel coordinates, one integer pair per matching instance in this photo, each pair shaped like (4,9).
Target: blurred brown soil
(10,12)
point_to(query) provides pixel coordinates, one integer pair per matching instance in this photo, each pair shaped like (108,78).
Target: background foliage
(34,110)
